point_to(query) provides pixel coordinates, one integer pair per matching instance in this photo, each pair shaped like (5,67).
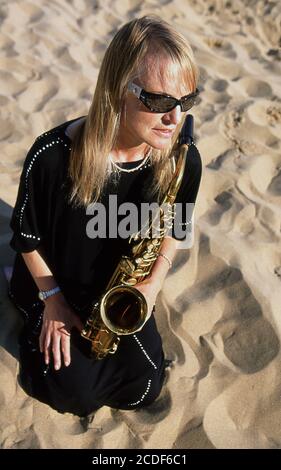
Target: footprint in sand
(253,51)
(235,118)
(266,114)
(224,202)
(243,345)
(220,85)
(255,88)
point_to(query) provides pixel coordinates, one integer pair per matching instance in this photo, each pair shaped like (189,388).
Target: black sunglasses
(158,103)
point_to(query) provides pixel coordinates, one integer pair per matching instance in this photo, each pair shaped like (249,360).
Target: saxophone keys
(138,272)
(131,281)
(126,266)
(147,263)
(147,256)
(150,247)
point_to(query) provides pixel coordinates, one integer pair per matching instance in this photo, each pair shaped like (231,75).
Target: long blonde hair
(124,60)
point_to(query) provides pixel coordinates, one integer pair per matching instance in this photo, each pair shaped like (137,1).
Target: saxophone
(123,309)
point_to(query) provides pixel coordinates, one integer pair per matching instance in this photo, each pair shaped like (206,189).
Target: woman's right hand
(58,320)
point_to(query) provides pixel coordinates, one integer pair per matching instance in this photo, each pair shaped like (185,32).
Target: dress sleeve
(183,223)
(28,221)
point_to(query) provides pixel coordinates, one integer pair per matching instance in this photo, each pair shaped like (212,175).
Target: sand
(219,309)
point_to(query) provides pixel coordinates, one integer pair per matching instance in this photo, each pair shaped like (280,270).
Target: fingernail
(67,364)
(57,367)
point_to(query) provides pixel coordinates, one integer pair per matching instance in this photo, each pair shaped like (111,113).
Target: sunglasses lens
(163,104)
(160,104)
(189,102)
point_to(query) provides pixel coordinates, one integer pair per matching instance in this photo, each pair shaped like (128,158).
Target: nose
(173,116)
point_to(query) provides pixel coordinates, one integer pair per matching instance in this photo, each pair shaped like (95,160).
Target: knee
(150,392)
(153,393)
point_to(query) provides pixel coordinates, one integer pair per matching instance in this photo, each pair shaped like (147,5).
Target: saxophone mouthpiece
(186,133)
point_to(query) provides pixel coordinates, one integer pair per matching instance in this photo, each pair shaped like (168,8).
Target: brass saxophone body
(123,309)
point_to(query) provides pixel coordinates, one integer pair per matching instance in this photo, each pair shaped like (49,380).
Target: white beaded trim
(186,223)
(144,351)
(40,317)
(58,141)
(143,395)
(30,236)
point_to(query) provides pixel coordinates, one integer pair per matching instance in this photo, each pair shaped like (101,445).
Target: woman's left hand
(150,289)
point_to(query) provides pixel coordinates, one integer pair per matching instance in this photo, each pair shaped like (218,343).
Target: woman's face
(138,124)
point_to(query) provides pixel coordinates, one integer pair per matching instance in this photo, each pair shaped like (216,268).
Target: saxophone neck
(177,175)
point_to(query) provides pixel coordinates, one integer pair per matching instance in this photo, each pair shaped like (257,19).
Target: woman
(120,148)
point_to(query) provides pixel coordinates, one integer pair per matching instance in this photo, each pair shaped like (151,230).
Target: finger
(46,345)
(42,337)
(41,340)
(56,350)
(64,330)
(65,347)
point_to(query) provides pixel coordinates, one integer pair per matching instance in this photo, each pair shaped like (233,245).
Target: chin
(161,145)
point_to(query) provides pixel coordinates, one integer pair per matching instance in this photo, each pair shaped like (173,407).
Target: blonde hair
(124,60)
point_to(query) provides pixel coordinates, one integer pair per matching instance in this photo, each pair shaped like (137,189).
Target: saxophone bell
(123,310)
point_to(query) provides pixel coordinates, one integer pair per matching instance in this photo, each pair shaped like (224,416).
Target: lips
(163,132)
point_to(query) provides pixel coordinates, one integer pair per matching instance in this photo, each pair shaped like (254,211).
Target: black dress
(42,219)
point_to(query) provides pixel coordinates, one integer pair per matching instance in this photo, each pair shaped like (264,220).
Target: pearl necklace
(126,170)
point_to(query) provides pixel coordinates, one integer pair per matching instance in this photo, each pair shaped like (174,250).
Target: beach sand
(219,310)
